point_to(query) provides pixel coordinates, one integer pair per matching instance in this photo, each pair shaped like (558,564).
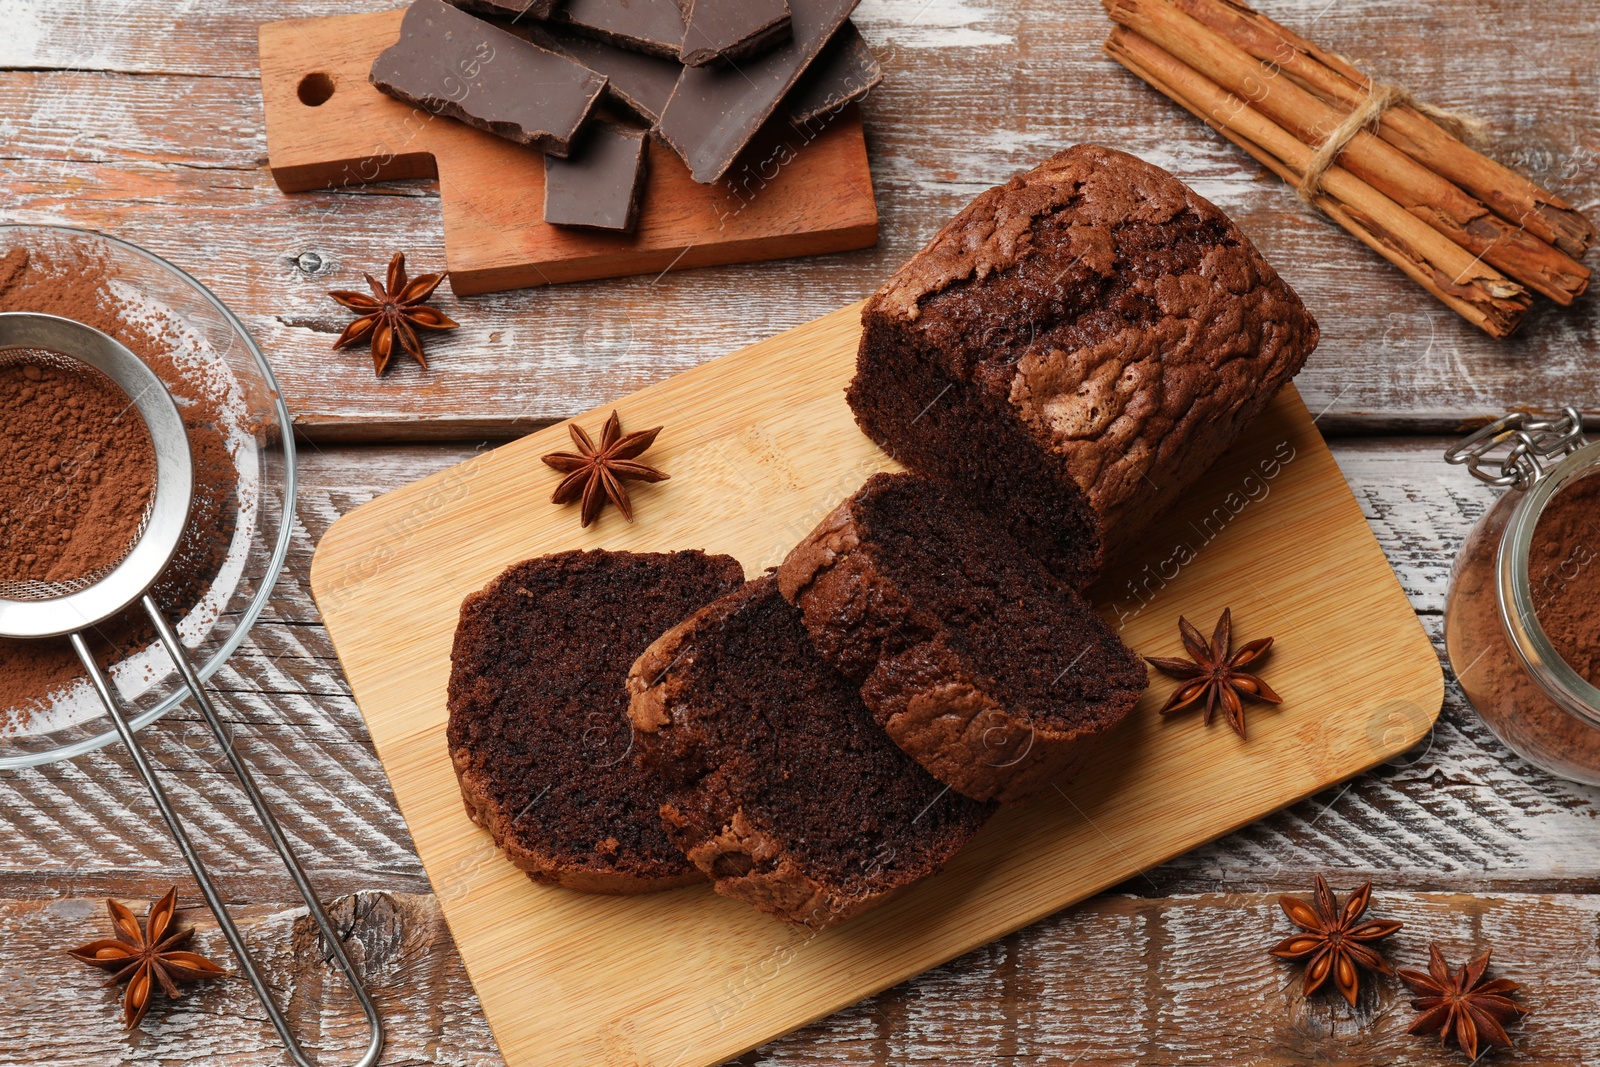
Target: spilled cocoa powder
(77,468)
(1564,571)
(74,282)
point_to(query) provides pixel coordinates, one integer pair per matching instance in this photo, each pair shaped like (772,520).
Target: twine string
(1382,97)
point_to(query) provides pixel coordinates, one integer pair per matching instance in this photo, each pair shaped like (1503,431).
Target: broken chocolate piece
(638,82)
(654,27)
(515,9)
(600,184)
(715,111)
(845,71)
(452,63)
(731,30)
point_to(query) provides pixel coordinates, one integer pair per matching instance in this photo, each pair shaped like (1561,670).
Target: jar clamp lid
(1530,442)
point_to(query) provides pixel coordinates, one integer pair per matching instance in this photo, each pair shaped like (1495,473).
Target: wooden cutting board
(795,193)
(760,445)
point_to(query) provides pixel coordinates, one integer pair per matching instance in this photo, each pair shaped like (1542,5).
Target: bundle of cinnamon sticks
(1477,235)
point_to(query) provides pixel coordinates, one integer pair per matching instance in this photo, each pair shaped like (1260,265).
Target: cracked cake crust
(1103,329)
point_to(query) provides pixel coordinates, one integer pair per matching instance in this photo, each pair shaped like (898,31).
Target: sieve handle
(263,811)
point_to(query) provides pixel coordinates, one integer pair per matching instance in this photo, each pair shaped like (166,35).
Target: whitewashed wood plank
(1459,810)
(1168,981)
(975,92)
(60,1012)
(1462,814)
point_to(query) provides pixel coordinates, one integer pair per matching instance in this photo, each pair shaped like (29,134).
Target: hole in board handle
(315,89)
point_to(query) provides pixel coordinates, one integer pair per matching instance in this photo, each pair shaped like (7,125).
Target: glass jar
(1529,696)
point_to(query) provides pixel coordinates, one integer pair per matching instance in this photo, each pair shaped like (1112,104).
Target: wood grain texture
(800,191)
(149,124)
(1071,989)
(393,937)
(975,91)
(761,445)
(1456,814)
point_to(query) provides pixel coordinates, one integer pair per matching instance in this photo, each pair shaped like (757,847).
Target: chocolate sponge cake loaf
(1075,348)
(993,674)
(539,730)
(781,787)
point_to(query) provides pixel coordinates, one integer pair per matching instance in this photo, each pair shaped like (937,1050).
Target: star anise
(1216,673)
(1462,1005)
(1333,942)
(146,958)
(596,474)
(393,312)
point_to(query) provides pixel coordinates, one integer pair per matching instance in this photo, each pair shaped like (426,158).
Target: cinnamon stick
(1509,194)
(1427,195)
(1463,282)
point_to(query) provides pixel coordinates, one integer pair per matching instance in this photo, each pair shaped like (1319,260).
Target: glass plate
(214,348)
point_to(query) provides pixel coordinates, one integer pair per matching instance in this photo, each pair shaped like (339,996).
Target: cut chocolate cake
(539,730)
(993,674)
(781,787)
(1075,348)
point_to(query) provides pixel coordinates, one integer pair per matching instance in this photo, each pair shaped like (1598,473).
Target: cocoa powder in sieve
(74,283)
(1564,572)
(77,468)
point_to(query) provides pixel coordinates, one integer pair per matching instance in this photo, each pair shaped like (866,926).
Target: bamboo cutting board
(760,445)
(797,192)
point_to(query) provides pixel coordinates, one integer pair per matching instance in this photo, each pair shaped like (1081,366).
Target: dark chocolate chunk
(638,82)
(715,111)
(518,9)
(731,30)
(600,184)
(845,71)
(654,27)
(452,63)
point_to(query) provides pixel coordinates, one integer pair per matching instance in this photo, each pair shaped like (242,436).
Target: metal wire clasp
(1530,442)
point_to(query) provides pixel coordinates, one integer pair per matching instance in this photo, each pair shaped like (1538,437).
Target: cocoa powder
(74,283)
(1564,571)
(77,468)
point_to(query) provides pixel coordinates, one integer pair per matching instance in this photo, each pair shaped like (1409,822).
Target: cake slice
(539,731)
(990,672)
(1076,348)
(781,787)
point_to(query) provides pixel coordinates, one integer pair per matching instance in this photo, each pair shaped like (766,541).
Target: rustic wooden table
(144,119)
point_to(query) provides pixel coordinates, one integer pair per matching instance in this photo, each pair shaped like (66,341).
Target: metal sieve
(28,592)
(32,610)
